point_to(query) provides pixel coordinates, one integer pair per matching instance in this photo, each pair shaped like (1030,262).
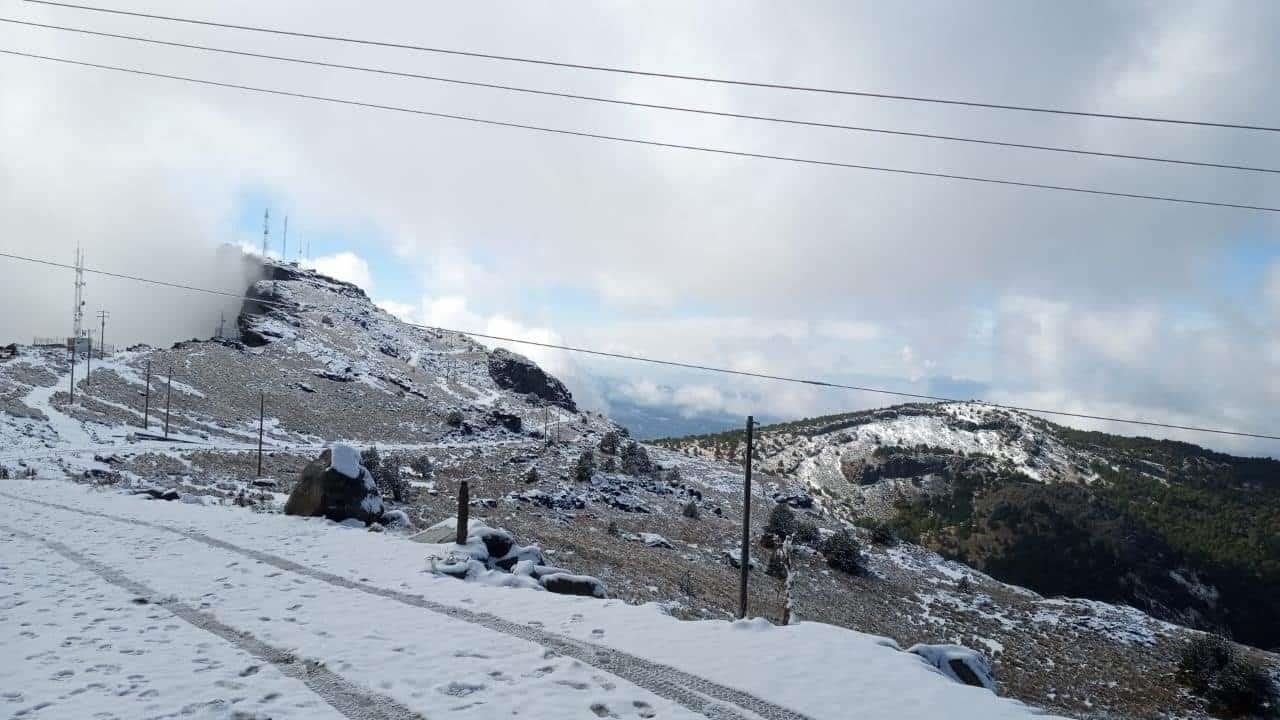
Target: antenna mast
(284,242)
(77,315)
(266,230)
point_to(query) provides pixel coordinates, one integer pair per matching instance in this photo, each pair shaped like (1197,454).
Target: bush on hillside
(635,460)
(843,552)
(1234,684)
(585,467)
(609,443)
(691,510)
(806,534)
(782,521)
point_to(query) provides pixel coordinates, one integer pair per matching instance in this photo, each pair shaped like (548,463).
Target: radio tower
(77,315)
(266,230)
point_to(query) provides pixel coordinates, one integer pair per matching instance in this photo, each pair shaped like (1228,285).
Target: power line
(636,104)
(656,143)
(673,363)
(655,74)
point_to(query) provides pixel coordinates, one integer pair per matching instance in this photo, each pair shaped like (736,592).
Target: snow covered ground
(117,607)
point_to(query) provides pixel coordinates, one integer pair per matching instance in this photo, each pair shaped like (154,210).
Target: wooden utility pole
(262,412)
(168,395)
(464,508)
(102,333)
(73,371)
(88,360)
(146,401)
(745,557)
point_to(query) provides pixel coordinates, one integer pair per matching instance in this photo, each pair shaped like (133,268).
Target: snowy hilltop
(560,499)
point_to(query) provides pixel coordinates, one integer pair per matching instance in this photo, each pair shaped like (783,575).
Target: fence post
(262,410)
(745,557)
(168,395)
(464,507)
(146,402)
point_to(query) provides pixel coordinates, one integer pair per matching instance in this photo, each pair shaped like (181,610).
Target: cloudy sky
(1082,303)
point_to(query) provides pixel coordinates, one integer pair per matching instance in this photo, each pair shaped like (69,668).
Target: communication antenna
(77,316)
(266,230)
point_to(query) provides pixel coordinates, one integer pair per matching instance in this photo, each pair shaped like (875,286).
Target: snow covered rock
(446,531)
(158,494)
(492,556)
(518,373)
(733,556)
(566,584)
(654,540)
(346,460)
(959,663)
(337,487)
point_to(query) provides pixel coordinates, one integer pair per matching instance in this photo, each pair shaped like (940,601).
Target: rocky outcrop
(335,487)
(519,374)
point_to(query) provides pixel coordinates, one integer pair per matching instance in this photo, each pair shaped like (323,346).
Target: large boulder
(566,584)
(336,486)
(519,374)
(961,664)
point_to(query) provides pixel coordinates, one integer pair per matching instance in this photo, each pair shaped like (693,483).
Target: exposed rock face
(324,490)
(519,374)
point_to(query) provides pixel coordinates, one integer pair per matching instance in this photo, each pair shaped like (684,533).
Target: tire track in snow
(695,693)
(347,698)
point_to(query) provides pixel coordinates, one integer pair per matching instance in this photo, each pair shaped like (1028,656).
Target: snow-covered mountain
(655,523)
(1174,529)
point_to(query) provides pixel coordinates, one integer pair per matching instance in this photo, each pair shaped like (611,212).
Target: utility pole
(88,363)
(102,333)
(146,402)
(266,230)
(745,557)
(284,242)
(464,507)
(168,395)
(73,371)
(222,323)
(262,412)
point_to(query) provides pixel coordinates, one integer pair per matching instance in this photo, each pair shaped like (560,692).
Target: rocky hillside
(1184,533)
(656,523)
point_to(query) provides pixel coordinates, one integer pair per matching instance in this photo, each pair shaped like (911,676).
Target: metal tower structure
(266,229)
(77,316)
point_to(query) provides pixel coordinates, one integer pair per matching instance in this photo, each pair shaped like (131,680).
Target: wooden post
(88,359)
(262,410)
(73,371)
(146,402)
(788,610)
(168,395)
(744,558)
(464,506)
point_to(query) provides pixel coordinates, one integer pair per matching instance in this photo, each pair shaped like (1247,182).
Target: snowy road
(351,620)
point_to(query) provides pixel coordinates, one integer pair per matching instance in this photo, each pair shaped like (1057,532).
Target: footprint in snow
(460,689)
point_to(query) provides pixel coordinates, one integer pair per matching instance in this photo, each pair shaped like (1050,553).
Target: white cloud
(816,272)
(345,266)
